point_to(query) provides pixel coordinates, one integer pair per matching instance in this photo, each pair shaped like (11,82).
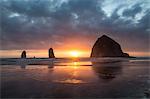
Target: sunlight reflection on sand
(71,81)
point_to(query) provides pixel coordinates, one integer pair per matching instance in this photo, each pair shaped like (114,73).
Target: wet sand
(121,79)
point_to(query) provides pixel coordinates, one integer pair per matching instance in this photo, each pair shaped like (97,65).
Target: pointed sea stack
(23,54)
(107,47)
(51,53)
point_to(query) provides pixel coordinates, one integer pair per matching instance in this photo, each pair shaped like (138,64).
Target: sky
(69,25)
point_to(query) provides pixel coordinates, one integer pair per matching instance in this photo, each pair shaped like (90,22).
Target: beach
(81,78)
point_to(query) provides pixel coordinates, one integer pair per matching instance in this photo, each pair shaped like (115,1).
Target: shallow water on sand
(77,79)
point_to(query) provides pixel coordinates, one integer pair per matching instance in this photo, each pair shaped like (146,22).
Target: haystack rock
(23,54)
(51,53)
(107,47)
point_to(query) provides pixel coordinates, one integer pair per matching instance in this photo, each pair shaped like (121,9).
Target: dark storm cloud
(30,23)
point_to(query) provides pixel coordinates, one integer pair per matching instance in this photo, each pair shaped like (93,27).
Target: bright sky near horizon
(58,53)
(73,25)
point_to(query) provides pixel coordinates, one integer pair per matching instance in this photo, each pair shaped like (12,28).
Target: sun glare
(74,53)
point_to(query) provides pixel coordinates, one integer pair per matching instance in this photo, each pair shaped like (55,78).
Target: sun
(74,53)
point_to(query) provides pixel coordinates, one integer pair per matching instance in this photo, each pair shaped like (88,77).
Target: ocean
(75,78)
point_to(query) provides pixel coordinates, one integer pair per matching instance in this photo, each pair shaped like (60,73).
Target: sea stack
(23,54)
(107,47)
(51,53)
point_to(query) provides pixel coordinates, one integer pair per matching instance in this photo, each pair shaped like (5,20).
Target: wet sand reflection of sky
(72,79)
(71,73)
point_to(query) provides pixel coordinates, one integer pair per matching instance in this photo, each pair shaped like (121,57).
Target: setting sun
(74,53)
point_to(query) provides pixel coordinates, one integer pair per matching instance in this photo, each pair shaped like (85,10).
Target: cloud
(26,24)
(132,11)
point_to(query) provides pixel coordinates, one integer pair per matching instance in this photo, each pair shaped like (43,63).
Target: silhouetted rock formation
(107,47)
(23,54)
(51,53)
